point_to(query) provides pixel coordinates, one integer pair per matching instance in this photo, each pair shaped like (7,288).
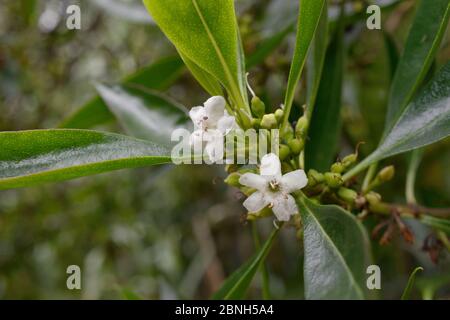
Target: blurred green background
(177,232)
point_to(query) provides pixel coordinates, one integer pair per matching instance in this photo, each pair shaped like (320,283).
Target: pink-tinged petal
(197,114)
(226,124)
(294,181)
(255,202)
(284,207)
(270,165)
(253,180)
(214,107)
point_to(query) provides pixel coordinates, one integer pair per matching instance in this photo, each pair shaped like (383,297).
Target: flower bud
(258,107)
(373,198)
(279,113)
(386,173)
(256,123)
(314,177)
(337,167)
(269,121)
(286,167)
(333,180)
(301,127)
(284,152)
(233,179)
(296,145)
(349,160)
(348,195)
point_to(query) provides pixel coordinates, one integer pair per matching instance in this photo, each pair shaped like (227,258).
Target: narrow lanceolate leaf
(325,125)
(407,293)
(308,19)
(206,32)
(424,121)
(316,58)
(157,76)
(236,286)
(429,25)
(206,80)
(38,156)
(143,113)
(337,252)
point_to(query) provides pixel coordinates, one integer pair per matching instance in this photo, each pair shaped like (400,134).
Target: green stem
(369,176)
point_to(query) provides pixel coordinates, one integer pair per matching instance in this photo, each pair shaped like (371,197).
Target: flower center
(274,185)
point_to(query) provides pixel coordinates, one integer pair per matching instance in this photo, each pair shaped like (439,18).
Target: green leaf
(308,20)
(236,286)
(392,52)
(407,293)
(315,62)
(159,76)
(437,223)
(337,252)
(206,80)
(205,32)
(38,156)
(143,113)
(325,122)
(424,121)
(429,25)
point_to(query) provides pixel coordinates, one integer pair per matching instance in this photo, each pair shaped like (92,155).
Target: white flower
(273,189)
(211,123)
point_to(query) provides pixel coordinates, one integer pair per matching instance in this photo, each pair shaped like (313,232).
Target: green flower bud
(301,127)
(373,198)
(296,145)
(231,168)
(284,152)
(258,107)
(386,173)
(348,195)
(349,160)
(233,179)
(269,121)
(256,123)
(337,167)
(279,113)
(333,180)
(314,177)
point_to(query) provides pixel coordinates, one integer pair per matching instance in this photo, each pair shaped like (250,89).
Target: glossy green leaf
(392,53)
(308,20)
(336,252)
(424,121)
(158,76)
(206,32)
(206,80)
(236,286)
(315,62)
(325,122)
(38,156)
(143,113)
(407,292)
(429,25)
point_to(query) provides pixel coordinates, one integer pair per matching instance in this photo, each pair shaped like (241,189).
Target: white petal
(270,165)
(196,138)
(255,202)
(214,148)
(214,107)
(294,181)
(197,114)
(284,207)
(226,124)
(253,180)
